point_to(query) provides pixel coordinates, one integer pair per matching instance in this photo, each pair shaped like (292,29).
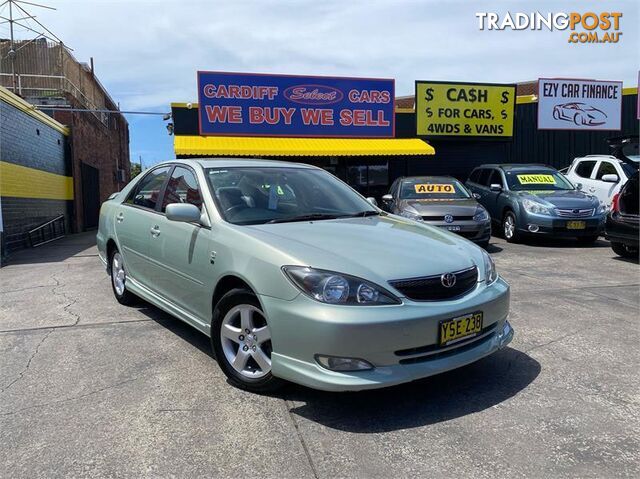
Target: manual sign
(565,104)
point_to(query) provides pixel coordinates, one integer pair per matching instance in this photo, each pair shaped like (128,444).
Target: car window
(495,178)
(584,168)
(484,176)
(606,168)
(432,188)
(257,195)
(146,192)
(537,180)
(182,187)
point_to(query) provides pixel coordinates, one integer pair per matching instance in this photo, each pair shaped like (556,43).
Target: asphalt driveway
(89,388)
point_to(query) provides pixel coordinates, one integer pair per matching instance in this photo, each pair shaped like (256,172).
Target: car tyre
(509,228)
(623,250)
(244,357)
(118,273)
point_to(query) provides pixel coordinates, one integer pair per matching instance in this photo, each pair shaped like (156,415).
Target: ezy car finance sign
(566,104)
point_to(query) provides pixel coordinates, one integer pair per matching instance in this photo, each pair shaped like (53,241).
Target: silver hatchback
(440,201)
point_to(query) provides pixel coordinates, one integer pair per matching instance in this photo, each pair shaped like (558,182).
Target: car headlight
(411,216)
(602,208)
(481,215)
(535,207)
(337,288)
(490,273)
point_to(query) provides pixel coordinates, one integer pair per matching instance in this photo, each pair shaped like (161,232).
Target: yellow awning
(250,146)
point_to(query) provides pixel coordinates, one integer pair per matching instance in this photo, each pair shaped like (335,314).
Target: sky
(146,53)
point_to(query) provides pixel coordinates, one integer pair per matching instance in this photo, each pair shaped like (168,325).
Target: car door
(491,198)
(581,174)
(605,190)
(133,220)
(477,183)
(181,252)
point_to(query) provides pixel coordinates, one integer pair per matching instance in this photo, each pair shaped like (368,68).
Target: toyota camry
(295,276)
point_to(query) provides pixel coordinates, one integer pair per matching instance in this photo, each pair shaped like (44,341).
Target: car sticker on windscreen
(435,188)
(536,179)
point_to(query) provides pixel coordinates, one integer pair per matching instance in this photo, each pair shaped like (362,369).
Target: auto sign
(243,104)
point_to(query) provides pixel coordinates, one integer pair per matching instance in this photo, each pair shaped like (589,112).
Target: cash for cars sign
(565,104)
(464,109)
(242,104)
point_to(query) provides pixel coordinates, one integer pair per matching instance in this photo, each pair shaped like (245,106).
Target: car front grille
(441,218)
(574,213)
(430,288)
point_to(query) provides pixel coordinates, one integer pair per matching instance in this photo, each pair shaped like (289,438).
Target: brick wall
(27,142)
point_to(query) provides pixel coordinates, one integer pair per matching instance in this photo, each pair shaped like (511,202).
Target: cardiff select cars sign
(242,104)
(464,110)
(565,104)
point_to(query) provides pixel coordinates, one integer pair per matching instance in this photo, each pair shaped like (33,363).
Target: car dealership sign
(478,110)
(243,104)
(566,104)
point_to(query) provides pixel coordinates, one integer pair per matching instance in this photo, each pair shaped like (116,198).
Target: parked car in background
(623,221)
(600,175)
(440,201)
(536,200)
(293,275)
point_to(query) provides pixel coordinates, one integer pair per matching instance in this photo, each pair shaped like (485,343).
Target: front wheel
(509,228)
(241,341)
(623,250)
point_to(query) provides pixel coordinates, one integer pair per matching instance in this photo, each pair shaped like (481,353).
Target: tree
(135,170)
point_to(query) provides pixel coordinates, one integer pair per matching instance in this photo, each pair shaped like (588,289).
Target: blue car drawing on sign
(580,114)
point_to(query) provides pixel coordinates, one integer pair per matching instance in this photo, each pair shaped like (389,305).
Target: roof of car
(429,178)
(238,162)
(518,166)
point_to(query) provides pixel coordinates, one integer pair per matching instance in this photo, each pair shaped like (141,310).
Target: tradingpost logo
(588,27)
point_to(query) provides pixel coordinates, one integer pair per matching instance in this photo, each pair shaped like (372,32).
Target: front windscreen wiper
(310,217)
(361,214)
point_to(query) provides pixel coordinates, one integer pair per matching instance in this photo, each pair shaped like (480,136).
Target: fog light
(534,228)
(334,363)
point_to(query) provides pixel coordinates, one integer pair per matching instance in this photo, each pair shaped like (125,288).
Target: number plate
(451,228)
(456,329)
(576,225)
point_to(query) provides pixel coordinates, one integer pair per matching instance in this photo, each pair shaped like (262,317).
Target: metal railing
(45,233)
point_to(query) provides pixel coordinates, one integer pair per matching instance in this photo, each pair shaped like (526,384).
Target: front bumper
(398,340)
(556,226)
(478,232)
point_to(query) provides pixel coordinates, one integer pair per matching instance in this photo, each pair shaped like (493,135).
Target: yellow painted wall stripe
(23,182)
(14,100)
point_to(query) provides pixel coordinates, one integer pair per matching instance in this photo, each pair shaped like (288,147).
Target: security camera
(189,106)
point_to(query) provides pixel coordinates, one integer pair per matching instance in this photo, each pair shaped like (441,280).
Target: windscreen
(432,189)
(254,195)
(540,180)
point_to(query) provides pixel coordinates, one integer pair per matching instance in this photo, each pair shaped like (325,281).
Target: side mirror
(495,187)
(184,212)
(476,196)
(387,198)
(372,200)
(611,178)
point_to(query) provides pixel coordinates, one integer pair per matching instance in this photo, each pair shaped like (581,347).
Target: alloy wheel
(246,341)
(509,227)
(118,274)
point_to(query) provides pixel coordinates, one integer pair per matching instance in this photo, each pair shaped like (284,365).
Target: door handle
(155,231)
(120,217)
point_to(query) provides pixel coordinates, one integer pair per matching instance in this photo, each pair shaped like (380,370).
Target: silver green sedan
(295,276)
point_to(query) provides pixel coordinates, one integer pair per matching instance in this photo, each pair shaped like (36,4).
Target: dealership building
(370,164)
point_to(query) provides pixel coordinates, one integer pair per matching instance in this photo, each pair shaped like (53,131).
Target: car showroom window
(585,168)
(606,168)
(182,188)
(147,191)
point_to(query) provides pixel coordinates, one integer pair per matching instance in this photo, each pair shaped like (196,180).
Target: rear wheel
(509,229)
(623,250)
(119,279)
(241,341)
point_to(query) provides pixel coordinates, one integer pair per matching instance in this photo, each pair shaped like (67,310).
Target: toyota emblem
(448,219)
(448,280)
